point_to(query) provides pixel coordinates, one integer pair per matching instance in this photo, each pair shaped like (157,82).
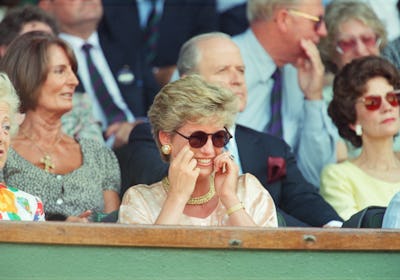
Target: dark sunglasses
(318,20)
(199,138)
(374,102)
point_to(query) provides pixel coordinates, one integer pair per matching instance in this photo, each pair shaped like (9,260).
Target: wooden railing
(55,250)
(199,237)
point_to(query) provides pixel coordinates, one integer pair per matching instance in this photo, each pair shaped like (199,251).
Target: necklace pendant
(48,163)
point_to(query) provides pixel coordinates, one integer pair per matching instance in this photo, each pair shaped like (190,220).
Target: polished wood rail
(98,234)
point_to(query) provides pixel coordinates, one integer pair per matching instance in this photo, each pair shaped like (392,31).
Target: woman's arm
(111,201)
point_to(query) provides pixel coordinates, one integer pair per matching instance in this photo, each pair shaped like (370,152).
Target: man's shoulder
(243,131)
(141,131)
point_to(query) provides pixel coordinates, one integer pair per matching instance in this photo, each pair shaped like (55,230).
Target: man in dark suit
(176,22)
(215,57)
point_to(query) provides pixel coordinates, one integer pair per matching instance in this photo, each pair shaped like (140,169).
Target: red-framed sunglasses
(199,138)
(347,45)
(374,102)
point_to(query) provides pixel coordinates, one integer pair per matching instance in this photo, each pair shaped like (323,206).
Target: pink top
(142,204)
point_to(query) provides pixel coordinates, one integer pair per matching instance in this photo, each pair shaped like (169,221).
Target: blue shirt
(307,127)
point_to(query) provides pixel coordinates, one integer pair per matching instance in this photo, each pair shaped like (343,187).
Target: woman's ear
(164,137)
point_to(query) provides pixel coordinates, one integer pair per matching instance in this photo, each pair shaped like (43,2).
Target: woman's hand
(226,178)
(182,174)
(82,218)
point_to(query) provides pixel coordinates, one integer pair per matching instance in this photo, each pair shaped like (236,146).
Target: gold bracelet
(235,208)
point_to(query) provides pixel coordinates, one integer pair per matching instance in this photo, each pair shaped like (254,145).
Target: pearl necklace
(195,200)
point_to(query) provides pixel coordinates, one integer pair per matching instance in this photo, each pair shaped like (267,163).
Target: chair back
(369,217)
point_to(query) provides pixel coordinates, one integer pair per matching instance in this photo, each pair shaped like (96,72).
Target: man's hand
(121,131)
(163,74)
(310,71)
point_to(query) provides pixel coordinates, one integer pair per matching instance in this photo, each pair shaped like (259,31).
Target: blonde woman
(189,119)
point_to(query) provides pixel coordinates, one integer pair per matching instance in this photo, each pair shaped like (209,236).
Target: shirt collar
(77,42)
(265,64)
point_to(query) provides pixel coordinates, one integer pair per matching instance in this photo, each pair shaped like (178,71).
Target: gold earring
(166,149)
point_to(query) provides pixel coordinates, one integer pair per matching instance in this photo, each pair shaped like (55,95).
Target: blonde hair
(10,97)
(191,99)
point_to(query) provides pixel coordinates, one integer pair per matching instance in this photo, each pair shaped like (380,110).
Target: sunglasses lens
(220,138)
(198,139)
(372,103)
(369,41)
(318,24)
(392,98)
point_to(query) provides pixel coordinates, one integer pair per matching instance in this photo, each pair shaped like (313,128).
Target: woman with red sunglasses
(365,108)
(189,119)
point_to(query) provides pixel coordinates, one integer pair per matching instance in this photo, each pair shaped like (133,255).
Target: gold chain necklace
(47,160)
(195,200)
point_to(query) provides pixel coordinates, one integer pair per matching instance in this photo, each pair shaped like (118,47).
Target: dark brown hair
(17,17)
(26,64)
(350,84)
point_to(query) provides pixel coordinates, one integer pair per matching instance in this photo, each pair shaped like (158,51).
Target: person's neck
(39,128)
(202,187)
(83,31)
(264,31)
(378,155)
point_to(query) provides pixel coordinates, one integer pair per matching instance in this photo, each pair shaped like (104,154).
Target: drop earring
(166,149)
(358,129)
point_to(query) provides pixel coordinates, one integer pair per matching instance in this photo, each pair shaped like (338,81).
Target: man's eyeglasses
(370,41)
(374,102)
(199,138)
(318,20)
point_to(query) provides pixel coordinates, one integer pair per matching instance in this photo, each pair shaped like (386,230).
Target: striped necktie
(275,124)
(111,110)
(151,33)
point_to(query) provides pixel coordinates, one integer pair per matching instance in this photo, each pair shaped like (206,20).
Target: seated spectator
(217,59)
(284,75)
(72,177)
(365,108)
(391,219)
(354,31)
(14,204)
(203,187)
(79,122)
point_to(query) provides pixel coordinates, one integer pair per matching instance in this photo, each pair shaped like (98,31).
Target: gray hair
(10,97)
(264,9)
(339,12)
(190,55)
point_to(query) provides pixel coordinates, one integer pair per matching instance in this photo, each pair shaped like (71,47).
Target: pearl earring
(358,130)
(166,149)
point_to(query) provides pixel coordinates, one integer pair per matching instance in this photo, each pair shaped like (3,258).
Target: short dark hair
(14,20)
(350,84)
(26,64)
